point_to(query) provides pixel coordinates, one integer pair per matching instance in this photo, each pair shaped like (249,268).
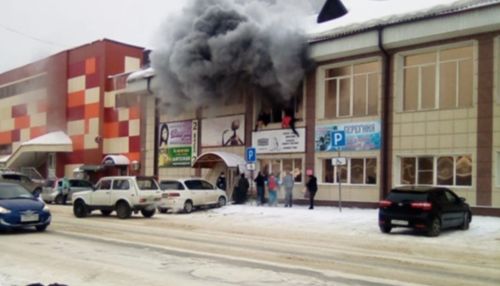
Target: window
(280,166)
(194,185)
(357,171)
(104,185)
(449,170)
(147,184)
(352,90)
(441,79)
(121,185)
(171,185)
(273,110)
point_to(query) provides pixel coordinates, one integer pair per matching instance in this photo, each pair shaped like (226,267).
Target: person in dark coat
(312,188)
(221,181)
(240,196)
(260,182)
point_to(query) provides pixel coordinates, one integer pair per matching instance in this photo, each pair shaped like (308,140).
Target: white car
(186,194)
(121,194)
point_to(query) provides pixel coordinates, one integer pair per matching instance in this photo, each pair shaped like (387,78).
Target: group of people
(272,183)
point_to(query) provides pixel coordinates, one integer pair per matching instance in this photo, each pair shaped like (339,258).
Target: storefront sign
(223,131)
(359,136)
(279,141)
(177,144)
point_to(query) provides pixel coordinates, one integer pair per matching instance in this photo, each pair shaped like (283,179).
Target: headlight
(4,211)
(46,208)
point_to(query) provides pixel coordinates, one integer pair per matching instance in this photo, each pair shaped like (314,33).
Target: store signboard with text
(279,141)
(177,143)
(358,136)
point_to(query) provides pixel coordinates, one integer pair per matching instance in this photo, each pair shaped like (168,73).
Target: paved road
(200,249)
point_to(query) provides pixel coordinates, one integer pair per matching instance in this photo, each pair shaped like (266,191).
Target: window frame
(399,78)
(435,170)
(349,173)
(322,79)
(282,171)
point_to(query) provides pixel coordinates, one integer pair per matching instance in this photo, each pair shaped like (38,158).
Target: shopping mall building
(416,97)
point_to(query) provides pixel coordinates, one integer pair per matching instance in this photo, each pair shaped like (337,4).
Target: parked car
(429,209)
(123,194)
(186,194)
(21,209)
(51,191)
(24,180)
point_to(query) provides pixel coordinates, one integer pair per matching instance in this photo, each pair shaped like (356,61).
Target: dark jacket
(221,183)
(260,181)
(312,184)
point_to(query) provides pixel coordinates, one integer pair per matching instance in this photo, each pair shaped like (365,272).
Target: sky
(34,29)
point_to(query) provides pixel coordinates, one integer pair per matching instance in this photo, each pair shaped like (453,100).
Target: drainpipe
(384,155)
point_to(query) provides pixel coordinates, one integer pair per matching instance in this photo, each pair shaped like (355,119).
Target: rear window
(401,196)
(171,185)
(147,184)
(198,185)
(11,177)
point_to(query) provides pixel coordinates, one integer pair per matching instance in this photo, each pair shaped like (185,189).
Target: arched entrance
(216,162)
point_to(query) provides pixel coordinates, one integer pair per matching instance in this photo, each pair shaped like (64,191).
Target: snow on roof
(141,74)
(54,138)
(367,14)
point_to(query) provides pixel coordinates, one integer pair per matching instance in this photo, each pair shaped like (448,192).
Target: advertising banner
(279,141)
(223,131)
(177,143)
(359,136)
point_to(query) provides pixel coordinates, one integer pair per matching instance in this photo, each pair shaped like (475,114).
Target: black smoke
(218,48)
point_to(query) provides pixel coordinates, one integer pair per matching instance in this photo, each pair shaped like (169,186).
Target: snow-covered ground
(484,231)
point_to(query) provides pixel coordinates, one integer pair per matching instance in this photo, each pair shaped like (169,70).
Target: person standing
(64,190)
(273,186)
(221,181)
(260,182)
(312,188)
(240,197)
(288,183)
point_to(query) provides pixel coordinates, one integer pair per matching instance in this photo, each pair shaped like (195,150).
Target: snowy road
(248,245)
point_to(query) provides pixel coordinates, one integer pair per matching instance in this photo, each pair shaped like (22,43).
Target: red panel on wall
(123,129)
(19,110)
(37,131)
(110,114)
(76,69)
(76,113)
(15,135)
(6,137)
(134,144)
(92,80)
(22,122)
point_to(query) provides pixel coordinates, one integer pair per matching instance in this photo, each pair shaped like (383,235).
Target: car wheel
(123,210)
(434,228)
(221,202)
(148,213)
(188,207)
(80,209)
(58,200)
(466,223)
(106,212)
(385,228)
(41,227)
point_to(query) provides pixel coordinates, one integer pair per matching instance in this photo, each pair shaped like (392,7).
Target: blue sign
(337,138)
(251,154)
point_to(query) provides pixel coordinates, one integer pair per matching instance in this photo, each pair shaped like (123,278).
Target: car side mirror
(462,200)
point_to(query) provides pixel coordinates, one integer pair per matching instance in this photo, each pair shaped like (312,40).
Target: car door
(120,189)
(212,195)
(196,191)
(102,195)
(446,209)
(457,209)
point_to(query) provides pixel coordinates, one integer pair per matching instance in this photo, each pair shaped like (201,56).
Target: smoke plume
(218,48)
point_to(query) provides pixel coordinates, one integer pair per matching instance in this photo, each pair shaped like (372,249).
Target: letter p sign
(337,138)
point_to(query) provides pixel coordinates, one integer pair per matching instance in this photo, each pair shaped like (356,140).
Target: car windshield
(147,184)
(401,196)
(10,191)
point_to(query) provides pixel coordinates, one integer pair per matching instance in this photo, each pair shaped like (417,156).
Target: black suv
(429,209)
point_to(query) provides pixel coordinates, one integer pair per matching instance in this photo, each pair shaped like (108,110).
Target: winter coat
(312,185)
(260,181)
(221,183)
(288,182)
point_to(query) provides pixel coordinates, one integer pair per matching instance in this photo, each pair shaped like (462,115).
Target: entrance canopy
(210,159)
(34,152)
(115,160)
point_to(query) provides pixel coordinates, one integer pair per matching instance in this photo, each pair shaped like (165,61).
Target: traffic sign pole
(338,140)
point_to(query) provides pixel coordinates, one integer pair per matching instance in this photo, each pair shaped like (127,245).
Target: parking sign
(251,155)
(337,138)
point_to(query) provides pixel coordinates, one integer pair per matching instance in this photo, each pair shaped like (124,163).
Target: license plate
(29,218)
(399,222)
